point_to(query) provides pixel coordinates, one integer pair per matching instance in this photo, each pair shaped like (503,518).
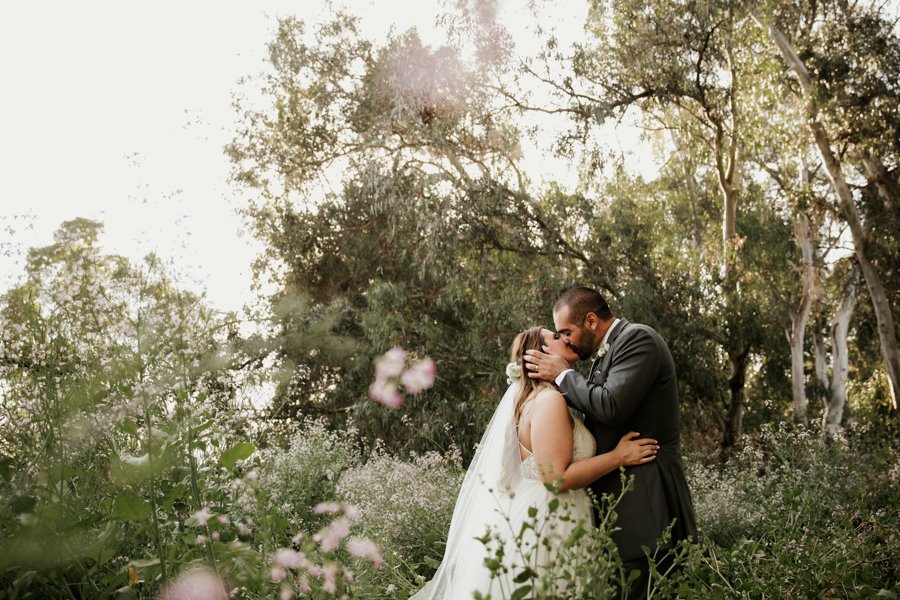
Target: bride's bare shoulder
(550,400)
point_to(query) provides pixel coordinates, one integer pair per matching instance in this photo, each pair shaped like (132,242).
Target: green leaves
(128,506)
(239,451)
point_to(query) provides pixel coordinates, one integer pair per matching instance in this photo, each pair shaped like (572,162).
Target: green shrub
(791,517)
(307,472)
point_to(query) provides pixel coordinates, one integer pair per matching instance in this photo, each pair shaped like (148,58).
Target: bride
(533,439)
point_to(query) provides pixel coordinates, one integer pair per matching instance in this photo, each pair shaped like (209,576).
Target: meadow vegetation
(152,446)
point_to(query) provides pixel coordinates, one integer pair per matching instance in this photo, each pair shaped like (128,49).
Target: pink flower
(303,585)
(330,585)
(201,539)
(386,393)
(365,549)
(286,593)
(197,584)
(351,513)
(326,507)
(331,536)
(314,570)
(420,376)
(277,573)
(390,364)
(202,515)
(289,559)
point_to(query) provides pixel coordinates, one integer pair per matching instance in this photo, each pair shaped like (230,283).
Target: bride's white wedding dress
(497,493)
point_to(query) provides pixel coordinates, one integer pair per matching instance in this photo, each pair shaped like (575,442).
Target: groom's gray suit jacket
(634,388)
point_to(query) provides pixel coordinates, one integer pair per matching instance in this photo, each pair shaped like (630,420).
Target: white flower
(390,364)
(420,376)
(602,351)
(513,371)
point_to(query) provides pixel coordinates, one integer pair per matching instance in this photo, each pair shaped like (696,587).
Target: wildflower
(386,393)
(331,536)
(289,559)
(286,593)
(330,585)
(303,585)
(201,539)
(277,573)
(351,513)
(390,364)
(326,507)
(364,548)
(194,585)
(420,376)
(202,516)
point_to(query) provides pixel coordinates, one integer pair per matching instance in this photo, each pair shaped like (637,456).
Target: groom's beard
(585,349)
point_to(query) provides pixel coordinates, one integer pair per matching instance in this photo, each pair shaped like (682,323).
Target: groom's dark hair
(581,301)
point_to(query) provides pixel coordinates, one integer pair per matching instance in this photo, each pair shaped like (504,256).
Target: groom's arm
(628,380)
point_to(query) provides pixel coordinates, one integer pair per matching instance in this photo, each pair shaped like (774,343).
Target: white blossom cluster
(405,505)
(306,473)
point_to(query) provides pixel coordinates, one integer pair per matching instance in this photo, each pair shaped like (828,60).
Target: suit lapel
(594,366)
(622,324)
(613,336)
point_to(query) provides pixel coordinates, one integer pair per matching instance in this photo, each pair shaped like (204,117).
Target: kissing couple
(629,403)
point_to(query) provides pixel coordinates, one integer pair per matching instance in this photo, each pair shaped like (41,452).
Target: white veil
(494,473)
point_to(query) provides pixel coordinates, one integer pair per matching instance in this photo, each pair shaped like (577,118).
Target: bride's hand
(635,452)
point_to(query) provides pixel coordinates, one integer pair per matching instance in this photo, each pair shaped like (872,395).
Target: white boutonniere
(602,351)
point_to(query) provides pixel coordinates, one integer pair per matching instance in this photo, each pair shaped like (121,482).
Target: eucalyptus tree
(846,59)
(690,71)
(840,303)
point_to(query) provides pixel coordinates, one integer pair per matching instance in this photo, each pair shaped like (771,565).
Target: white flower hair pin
(513,372)
(602,351)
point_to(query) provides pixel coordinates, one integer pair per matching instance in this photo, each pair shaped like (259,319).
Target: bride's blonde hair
(530,339)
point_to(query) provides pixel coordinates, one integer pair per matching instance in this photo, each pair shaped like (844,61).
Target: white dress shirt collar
(609,331)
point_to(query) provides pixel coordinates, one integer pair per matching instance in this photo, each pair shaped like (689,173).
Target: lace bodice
(583,446)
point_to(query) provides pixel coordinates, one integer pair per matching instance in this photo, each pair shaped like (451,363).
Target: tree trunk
(884,182)
(886,330)
(690,183)
(837,397)
(823,383)
(800,316)
(735,415)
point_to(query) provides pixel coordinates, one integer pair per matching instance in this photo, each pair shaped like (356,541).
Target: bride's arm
(551,441)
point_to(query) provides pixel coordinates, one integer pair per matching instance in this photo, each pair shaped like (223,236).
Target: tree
(104,366)
(852,22)
(433,238)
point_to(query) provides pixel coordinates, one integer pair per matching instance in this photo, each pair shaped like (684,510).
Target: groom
(631,387)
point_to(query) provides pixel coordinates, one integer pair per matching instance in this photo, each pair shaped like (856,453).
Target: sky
(119,112)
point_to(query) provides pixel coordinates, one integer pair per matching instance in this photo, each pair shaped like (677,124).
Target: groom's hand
(543,365)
